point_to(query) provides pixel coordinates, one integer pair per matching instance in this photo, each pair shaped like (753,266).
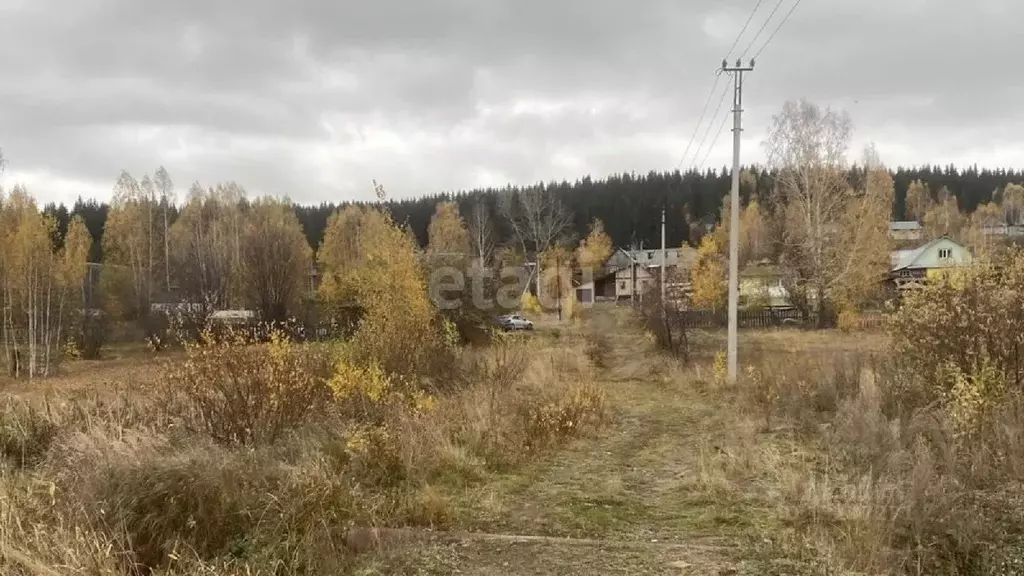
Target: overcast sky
(314,98)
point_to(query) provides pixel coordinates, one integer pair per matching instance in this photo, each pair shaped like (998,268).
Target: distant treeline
(628,204)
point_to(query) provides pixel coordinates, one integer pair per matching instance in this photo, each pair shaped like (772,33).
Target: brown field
(796,470)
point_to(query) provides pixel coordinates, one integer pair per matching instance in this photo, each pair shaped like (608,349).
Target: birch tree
(481,233)
(537,217)
(828,226)
(755,232)
(148,192)
(275,259)
(708,276)
(341,252)
(127,249)
(1013,203)
(944,219)
(165,188)
(447,236)
(205,247)
(40,286)
(368,263)
(864,235)
(918,200)
(595,249)
(987,215)
(74,260)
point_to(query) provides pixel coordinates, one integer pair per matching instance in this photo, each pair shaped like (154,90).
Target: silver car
(514,322)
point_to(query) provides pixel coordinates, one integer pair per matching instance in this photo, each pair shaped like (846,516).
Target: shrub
(92,335)
(257,457)
(931,486)
(667,324)
(720,369)
(249,393)
(529,304)
(849,321)
(963,324)
(579,407)
(599,348)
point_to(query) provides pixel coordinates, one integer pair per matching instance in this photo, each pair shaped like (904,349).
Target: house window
(650,255)
(946,253)
(622,284)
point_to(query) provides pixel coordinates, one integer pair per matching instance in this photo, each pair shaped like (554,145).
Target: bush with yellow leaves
(529,304)
(960,327)
(849,321)
(971,398)
(720,369)
(242,392)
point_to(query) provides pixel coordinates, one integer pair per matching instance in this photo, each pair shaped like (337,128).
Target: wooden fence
(771,319)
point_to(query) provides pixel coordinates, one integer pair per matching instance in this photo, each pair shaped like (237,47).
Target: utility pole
(558,282)
(663,258)
(734,211)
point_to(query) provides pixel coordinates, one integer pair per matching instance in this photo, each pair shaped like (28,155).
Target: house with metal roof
(902,230)
(630,273)
(912,268)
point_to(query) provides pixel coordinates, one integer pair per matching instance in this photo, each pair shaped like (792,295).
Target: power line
(761,29)
(707,132)
(693,137)
(711,93)
(777,28)
(744,29)
(721,128)
(758,53)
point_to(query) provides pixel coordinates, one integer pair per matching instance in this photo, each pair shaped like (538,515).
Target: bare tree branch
(537,217)
(481,232)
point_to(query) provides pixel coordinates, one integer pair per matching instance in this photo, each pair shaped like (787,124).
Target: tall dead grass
(247,460)
(884,486)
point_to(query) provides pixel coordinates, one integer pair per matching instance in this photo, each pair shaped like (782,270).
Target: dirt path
(640,498)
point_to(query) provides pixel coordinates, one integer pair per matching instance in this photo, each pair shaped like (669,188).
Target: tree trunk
(31,311)
(47,342)
(167,253)
(149,245)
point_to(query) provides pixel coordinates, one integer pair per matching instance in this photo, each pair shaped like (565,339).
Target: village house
(1004,230)
(761,286)
(913,267)
(906,230)
(630,273)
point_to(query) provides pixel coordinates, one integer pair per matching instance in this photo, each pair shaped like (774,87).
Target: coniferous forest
(628,204)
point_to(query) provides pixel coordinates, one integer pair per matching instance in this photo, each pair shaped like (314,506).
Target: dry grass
(234,477)
(810,465)
(873,485)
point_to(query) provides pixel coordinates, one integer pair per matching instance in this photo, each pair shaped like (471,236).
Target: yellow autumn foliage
(848,320)
(708,275)
(595,249)
(971,397)
(351,380)
(369,263)
(959,337)
(40,288)
(529,303)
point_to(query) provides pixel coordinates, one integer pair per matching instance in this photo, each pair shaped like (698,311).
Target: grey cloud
(301,84)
